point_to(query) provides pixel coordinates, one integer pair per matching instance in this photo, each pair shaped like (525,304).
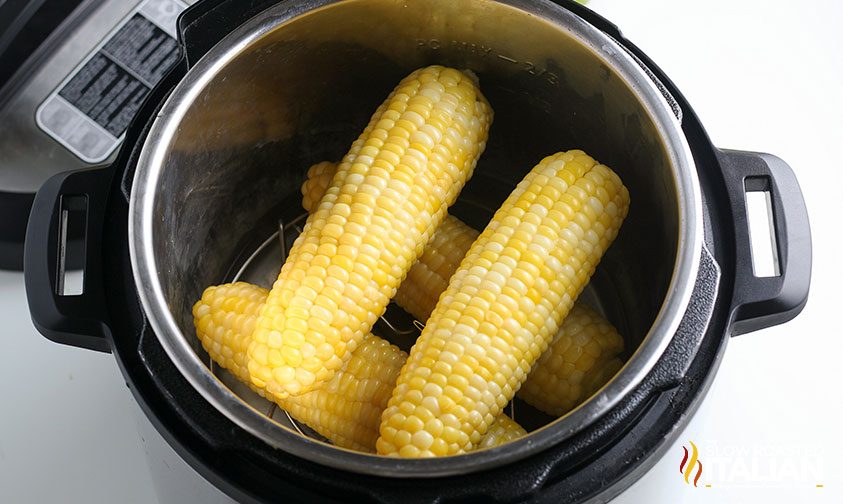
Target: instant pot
(205,189)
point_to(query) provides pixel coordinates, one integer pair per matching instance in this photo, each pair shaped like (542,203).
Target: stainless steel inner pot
(225,159)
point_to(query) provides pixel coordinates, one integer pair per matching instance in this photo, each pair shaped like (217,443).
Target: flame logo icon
(686,467)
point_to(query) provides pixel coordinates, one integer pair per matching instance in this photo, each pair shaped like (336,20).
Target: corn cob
(503,305)
(390,192)
(347,410)
(583,354)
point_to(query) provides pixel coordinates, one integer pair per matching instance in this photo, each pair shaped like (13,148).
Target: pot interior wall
(303,91)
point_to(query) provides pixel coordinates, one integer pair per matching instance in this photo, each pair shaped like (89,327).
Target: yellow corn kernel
(390,192)
(346,410)
(504,304)
(566,374)
(318,179)
(580,360)
(502,431)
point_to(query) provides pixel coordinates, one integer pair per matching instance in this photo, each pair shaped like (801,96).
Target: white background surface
(762,75)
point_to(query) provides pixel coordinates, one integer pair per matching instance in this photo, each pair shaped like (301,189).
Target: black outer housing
(597,463)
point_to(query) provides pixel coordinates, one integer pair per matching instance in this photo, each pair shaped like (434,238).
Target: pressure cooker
(205,189)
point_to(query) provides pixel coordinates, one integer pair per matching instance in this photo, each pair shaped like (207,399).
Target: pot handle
(761,302)
(68,200)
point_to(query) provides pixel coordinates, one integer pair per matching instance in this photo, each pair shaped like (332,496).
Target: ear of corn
(347,410)
(503,306)
(390,193)
(583,355)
